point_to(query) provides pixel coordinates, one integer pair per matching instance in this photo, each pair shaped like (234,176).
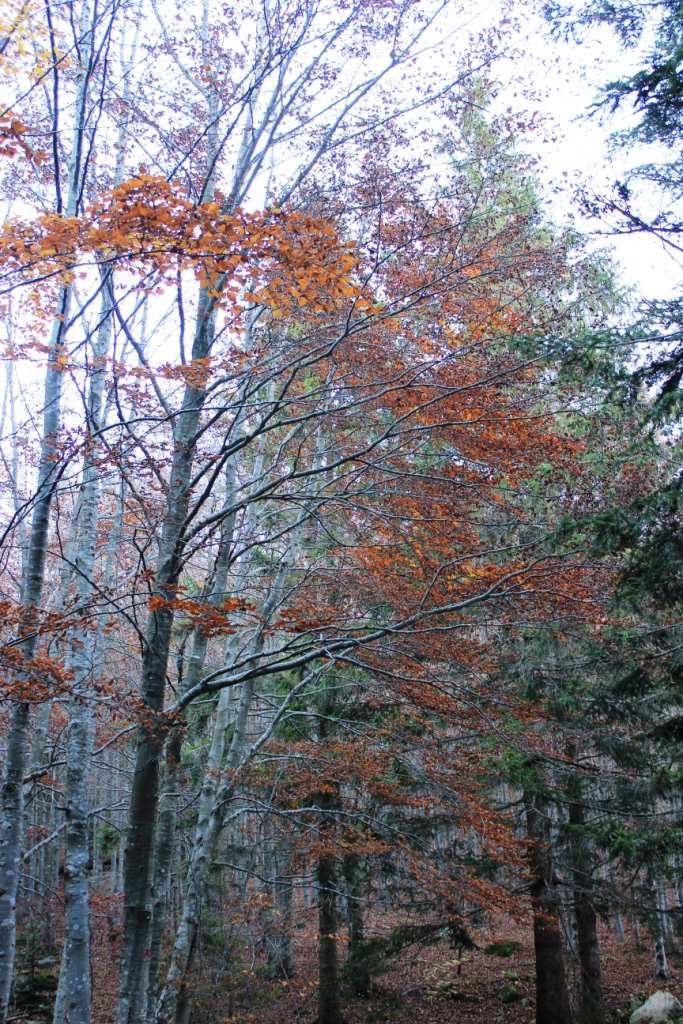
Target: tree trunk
(75,988)
(276,919)
(660,925)
(209,824)
(165,840)
(357,967)
(351,869)
(591,1009)
(165,848)
(329,1010)
(12,797)
(552,997)
(139,856)
(215,796)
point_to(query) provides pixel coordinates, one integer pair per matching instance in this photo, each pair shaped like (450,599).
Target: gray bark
(217,791)
(277,919)
(138,938)
(352,872)
(139,857)
(12,796)
(167,813)
(660,927)
(74,994)
(213,800)
(591,1010)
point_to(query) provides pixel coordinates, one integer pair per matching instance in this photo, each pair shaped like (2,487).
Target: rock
(661,1006)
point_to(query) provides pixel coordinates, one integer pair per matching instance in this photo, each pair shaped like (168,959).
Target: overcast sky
(575,146)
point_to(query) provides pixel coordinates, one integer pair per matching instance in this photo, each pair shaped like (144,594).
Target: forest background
(341,551)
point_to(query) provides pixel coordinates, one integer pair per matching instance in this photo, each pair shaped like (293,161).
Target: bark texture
(329,1007)
(591,1003)
(552,997)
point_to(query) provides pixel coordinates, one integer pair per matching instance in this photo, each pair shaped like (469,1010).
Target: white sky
(575,146)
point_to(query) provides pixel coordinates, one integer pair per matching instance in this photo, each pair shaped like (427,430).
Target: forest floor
(432,985)
(423,985)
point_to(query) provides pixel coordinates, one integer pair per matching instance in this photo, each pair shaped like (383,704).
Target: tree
(146,227)
(307,452)
(90,38)
(640,534)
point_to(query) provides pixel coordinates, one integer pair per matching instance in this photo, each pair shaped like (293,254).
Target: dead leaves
(287,261)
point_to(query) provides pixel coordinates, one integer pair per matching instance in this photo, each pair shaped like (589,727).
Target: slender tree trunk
(139,856)
(660,924)
(165,840)
(552,997)
(351,869)
(329,1009)
(216,795)
(165,849)
(591,1010)
(12,795)
(209,825)
(74,1001)
(277,922)
(134,979)
(359,973)
(74,992)
(617,915)
(214,799)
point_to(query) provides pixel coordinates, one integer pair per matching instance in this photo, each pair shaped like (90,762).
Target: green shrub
(510,994)
(512,990)
(502,947)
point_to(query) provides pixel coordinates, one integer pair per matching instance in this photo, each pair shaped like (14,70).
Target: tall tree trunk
(617,915)
(12,795)
(552,997)
(213,803)
(163,860)
(329,1009)
(144,798)
(74,994)
(659,930)
(165,840)
(277,920)
(210,820)
(134,981)
(357,966)
(351,869)
(591,1010)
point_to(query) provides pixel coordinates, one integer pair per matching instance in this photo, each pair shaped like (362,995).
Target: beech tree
(125,227)
(90,38)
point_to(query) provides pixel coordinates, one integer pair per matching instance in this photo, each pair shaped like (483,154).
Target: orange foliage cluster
(286,260)
(34,679)
(13,134)
(209,619)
